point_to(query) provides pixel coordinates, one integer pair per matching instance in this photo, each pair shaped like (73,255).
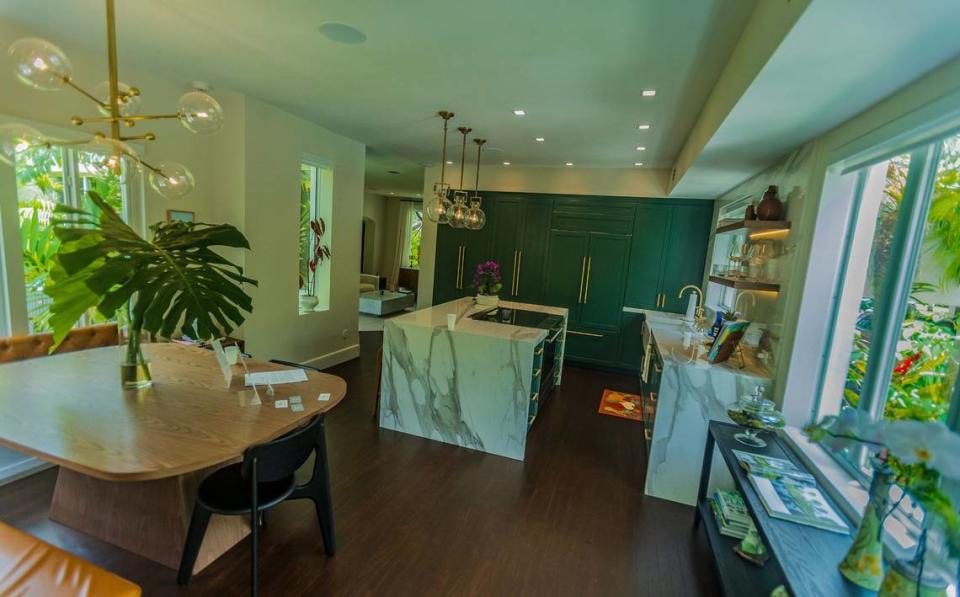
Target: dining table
(130,460)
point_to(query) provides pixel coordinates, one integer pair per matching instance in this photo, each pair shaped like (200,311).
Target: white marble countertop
(679,344)
(436,316)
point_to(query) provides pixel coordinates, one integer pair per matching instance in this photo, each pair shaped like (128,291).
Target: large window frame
(14,318)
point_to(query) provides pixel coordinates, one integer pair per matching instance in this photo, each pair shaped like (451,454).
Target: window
(413,231)
(46,177)
(316,187)
(895,352)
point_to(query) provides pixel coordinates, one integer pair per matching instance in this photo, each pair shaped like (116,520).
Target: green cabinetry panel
(686,252)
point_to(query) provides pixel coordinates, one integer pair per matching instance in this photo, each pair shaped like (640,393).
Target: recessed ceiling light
(539,139)
(569,164)
(506,163)
(649,92)
(342,33)
(638,163)
(643,127)
(519,112)
(641,148)
(449,162)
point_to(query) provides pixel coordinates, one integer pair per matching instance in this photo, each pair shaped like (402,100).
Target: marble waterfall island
(476,386)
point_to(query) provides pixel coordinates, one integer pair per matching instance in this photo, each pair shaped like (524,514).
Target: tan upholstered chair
(17,348)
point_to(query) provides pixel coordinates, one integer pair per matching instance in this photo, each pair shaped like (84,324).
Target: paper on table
(275,377)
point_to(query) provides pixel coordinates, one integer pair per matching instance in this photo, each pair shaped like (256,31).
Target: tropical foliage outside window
(47,177)
(414,236)
(928,351)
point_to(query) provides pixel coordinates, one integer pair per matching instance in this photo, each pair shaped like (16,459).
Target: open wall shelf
(745,284)
(754,226)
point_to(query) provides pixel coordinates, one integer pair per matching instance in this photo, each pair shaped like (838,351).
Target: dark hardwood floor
(416,517)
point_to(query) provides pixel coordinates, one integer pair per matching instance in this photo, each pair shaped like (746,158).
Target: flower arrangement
(914,455)
(486,279)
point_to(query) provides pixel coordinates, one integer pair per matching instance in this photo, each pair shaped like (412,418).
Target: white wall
(614,182)
(374,209)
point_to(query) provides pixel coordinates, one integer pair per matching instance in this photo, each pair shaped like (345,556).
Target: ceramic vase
(770,207)
(488,300)
(863,564)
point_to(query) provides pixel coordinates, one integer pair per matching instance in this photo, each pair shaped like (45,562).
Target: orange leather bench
(17,348)
(29,566)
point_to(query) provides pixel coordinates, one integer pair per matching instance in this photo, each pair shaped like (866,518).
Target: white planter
(308,303)
(488,300)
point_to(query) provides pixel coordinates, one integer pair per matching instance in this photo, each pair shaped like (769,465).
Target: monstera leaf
(176,281)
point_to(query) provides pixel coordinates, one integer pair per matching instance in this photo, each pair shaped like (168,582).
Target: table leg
(148,518)
(704,477)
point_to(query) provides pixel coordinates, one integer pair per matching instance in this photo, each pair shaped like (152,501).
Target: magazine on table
(789,493)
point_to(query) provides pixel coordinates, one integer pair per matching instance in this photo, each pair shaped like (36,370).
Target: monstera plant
(173,282)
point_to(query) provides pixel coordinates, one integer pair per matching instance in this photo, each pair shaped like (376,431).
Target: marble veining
(469,386)
(692,393)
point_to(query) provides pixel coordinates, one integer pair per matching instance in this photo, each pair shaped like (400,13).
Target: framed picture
(176,215)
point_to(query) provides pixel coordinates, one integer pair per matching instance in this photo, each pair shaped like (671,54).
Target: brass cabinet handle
(537,372)
(538,351)
(517,275)
(586,285)
(534,397)
(648,434)
(653,396)
(588,334)
(456,276)
(463,256)
(513,276)
(583,271)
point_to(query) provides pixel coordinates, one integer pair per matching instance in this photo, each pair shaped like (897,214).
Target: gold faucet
(745,293)
(698,314)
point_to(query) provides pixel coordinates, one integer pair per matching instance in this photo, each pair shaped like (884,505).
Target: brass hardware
(538,351)
(458,277)
(586,286)
(143,137)
(534,397)
(513,281)
(519,263)
(537,372)
(658,369)
(464,130)
(583,270)
(648,434)
(653,396)
(588,334)
(463,258)
(746,293)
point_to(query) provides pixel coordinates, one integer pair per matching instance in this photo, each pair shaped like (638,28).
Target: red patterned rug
(618,404)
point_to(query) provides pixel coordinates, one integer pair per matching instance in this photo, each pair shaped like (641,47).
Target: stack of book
(731,514)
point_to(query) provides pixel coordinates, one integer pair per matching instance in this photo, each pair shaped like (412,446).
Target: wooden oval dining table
(131,460)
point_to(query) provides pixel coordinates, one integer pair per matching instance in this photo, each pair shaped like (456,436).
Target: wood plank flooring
(415,517)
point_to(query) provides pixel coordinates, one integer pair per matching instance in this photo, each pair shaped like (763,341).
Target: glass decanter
(756,414)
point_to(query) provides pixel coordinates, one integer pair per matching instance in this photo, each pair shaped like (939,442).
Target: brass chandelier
(41,65)
(456,209)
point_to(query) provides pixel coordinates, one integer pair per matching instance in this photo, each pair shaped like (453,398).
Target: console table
(804,559)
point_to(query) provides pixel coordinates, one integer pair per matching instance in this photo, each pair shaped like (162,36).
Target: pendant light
(476,218)
(458,215)
(41,65)
(439,207)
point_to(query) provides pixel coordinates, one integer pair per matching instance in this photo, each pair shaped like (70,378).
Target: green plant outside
(416,236)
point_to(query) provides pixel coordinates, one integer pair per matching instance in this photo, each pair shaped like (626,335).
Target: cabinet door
(565,270)
(533,251)
(686,252)
(604,282)
(651,225)
(447,264)
(507,223)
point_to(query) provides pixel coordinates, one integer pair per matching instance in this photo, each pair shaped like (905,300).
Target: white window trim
(321,206)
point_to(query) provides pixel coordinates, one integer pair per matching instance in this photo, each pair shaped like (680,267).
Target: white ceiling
(578,68)
(840,58)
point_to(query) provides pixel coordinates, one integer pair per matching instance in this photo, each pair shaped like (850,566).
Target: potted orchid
(486,281)
(916,456)
(312,255)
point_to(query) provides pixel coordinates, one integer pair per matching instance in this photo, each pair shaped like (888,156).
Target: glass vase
(863,564)
(134,366)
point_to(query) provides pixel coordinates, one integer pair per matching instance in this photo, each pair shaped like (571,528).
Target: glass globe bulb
(15,138)
(200,113)
(108,157)
(476,218)
(39,64)
(172,180)
(439,209)
(458,215)
(128,103)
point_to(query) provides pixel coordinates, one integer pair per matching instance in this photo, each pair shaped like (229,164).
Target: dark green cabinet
(669,250)
(520,239)
(592,255)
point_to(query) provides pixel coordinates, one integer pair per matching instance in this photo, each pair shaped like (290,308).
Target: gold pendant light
(439,207)
(42,65)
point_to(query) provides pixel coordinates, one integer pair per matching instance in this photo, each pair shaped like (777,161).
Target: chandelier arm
(48,143)
(69,83)
(143,137)
(148,166)
(129,120)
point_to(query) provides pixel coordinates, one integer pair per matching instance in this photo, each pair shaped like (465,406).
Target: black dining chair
(264,479)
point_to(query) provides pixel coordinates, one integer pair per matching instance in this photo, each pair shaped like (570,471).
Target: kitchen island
(479,385)
(683,393)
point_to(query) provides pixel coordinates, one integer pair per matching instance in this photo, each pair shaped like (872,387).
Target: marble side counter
(692,392)
(470,386)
